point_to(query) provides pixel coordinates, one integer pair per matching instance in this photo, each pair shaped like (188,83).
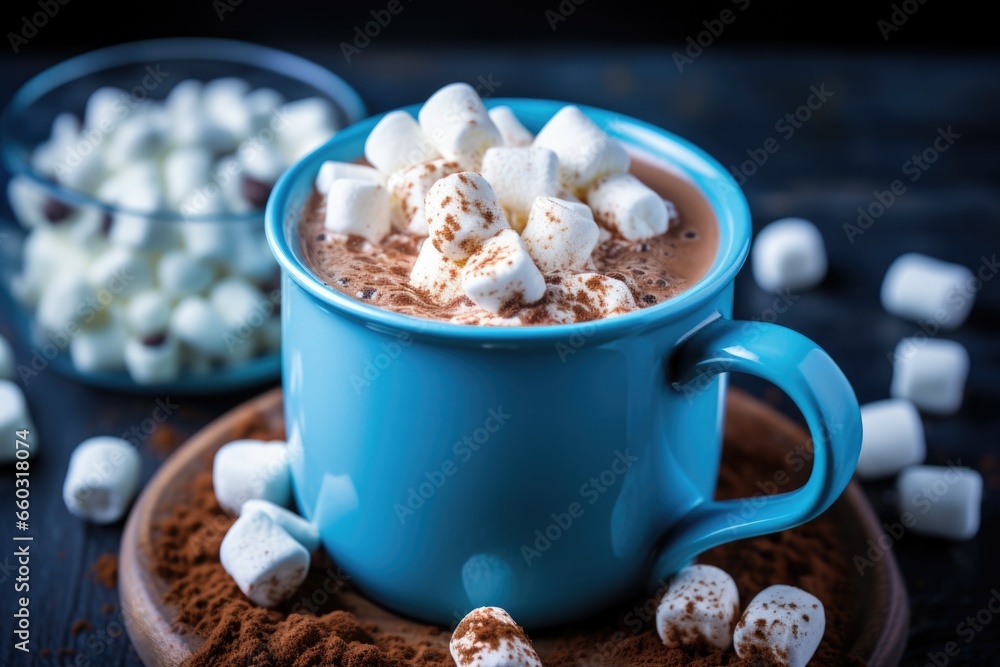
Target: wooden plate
(879,625)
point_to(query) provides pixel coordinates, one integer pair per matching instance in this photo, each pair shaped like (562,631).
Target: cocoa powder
(342,629)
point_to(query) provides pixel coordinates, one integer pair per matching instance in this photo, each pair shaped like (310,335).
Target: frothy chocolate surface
(655,270)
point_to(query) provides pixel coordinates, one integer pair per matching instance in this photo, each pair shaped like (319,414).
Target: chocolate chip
(366,293)
(690,234)
(154,340)
(256,192)
(56,210)
(644,247)
(648,298)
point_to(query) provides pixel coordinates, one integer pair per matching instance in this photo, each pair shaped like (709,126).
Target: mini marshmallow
(207,240)
(195,323)
(223,103)
(511,129)
(136,138)
(918,287)
(27,201)
(301,530)
(331,171)
(240,303)
(152,360)
(48,254)
(14,417)
(102,479)
(179,274)
(264,561)
(148,313)
(6,360)
(940,501)
(409,189)
(247,469)
(931,373)
(502,272)
(457,122)
(184,99)
(251,257)
(303,124)
(560,235)
(261,161)
(185,169)
(105,107)
(99,349)
(893,438)
(624,203)
(788,254)
(435,274)
(122,271)
(783,622)
(589,296)
(397,142)
(141,231)
(65,301)
(475,642)
(262,105)
(585,151)
(358,207)
(700,606)
(518,176)
(462,212)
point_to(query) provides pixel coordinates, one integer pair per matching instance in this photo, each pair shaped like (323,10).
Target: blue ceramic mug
(552,471)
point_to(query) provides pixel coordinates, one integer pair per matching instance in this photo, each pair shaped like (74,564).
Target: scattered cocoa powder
(342,629)
(164,440)
(105,570)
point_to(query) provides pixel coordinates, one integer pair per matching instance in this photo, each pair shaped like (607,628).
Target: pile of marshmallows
(500,208)
(929,373)
(125,290)
(782,624)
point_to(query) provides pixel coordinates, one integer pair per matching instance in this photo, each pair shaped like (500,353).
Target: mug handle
(811,378)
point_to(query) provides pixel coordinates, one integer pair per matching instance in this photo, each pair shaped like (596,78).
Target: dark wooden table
(879,111)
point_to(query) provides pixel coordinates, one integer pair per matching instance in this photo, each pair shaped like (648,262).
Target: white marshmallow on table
(122,271)
(65,301)
(518,176)
(102,479)
(438,276)
(301,530)
(511,129)
(560,235)
(99,349)
(265,561)
(409,188)
(397,142)
(185,168)
(502,272)
(6,360)
(789,254)
(148,313)
(197,324)
(14,417)
(358,207)
(585,151)
(457,122)
(931,373)
(893,438)
(783,622)
(595,294)
(180,274)
(332,170)
(941,501)
(918,287)
(700,606)
(251,469)
(152,363)
(462,212)
(223,103)
(624,203)
(239,302)
(474,642)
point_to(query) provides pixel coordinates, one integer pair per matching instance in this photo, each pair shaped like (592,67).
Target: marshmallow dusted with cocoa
(501,274)
(489,637)
(560,235)
(409,188)
(782,623)
(700,607)
(462,213)
(455,119)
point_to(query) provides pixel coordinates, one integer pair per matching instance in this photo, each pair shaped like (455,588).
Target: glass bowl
(136,266)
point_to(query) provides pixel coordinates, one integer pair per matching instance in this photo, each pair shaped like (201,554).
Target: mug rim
(680,156)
